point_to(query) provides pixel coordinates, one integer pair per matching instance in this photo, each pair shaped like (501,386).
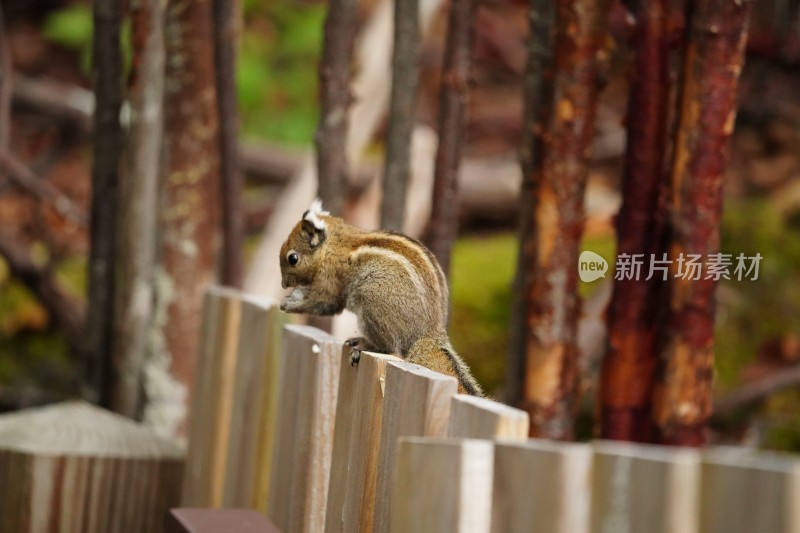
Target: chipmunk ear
(313,224)
(315,235)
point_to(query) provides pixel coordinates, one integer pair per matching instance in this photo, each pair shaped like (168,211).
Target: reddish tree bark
(107,143)
(335,70)
(559,177)
(226,31)
(405,74)
(189,215)
(627,375)
(453,101)
(136,239)
(682,399)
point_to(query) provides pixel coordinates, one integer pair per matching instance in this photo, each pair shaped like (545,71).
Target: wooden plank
(212,399)
(442,485)
(356,443)
(255,396)
(416,403)
(186,520)
(748,492)
(271,375)
(645,488)
(304,435)
(481,418)
(74,468)
(541,486)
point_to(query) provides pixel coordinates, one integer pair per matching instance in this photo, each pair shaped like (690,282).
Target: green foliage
(70,27)
(277,71)
(783,429)
(752,312)
(30,352)
(482,273)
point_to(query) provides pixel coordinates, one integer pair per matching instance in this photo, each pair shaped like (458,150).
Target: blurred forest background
(44,205)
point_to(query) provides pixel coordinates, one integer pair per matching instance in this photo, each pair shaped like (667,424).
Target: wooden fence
(320,445)
(283,424)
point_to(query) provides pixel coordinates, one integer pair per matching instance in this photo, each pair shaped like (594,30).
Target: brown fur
(390,281)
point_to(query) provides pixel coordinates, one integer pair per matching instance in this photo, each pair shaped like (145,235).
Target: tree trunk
(443,225)
(559,177)
(335,71)
(136,238)
(107,142)
(226,31)
(627,376)
(682,400)
(188,237)
(537,95)
(405,74)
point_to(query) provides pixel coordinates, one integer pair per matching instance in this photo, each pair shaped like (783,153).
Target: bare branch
(335,71)
(405,73)
(6,72)
(632,317)
(682,396)
(25,179)
(107,145)
(537,95)
(63,102)
(225,35)
(757,391)
(556,189)
(122,388)
(443,225)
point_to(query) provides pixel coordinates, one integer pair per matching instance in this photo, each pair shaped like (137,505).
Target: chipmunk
(392,282)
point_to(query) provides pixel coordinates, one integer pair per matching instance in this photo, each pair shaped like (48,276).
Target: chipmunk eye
(293,258)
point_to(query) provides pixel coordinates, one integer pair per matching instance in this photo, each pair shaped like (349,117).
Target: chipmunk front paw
(293,303)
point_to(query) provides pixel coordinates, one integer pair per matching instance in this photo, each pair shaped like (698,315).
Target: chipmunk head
(298,254)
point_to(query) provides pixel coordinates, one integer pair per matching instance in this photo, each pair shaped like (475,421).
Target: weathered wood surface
(748,492)
(541,486)
(480,418)
(304,433)
(442,485)
(210,418)
(356,443)
(72,467)
(187,520)
(416,404)
(645,488)
(255,404)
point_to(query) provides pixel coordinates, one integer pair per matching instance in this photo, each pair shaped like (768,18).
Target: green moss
(277,71)
(31,351)
(482,273)
(751,312)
